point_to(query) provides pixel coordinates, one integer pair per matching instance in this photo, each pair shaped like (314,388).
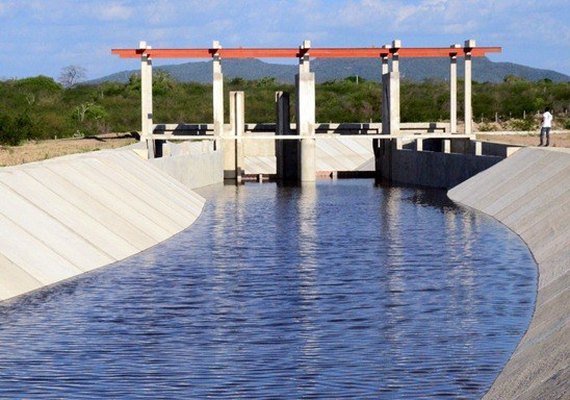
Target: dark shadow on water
(423,196)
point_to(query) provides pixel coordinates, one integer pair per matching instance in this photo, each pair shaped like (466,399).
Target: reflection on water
(339,290)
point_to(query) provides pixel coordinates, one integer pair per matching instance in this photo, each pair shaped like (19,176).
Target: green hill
(412,69)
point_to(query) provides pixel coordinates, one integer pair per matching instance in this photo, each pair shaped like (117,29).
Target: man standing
(545,124)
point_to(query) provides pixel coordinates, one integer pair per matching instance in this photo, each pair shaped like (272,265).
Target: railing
(322,130)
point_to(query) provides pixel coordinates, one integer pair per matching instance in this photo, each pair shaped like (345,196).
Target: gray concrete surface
(60,218)
(338,154)
(430,168)
(529,192)
(194,164)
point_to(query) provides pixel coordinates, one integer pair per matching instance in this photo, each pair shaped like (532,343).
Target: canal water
(340,290)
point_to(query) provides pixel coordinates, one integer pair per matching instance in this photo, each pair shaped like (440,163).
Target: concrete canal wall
(63,217)
(529,192)
(194,164)
(437,163)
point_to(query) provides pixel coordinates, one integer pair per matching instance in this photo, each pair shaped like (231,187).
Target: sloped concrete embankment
(63,217)
(530,193)
(344,154)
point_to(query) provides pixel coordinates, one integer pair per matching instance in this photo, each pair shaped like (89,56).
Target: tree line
(39,108)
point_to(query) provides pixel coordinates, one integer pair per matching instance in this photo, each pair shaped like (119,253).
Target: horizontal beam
(371,52)
(320,136)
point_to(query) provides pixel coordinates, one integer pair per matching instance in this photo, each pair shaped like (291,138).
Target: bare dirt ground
(557,139)
(42,150)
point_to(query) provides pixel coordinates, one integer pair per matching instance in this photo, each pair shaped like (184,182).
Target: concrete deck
(530,193)
(60,218)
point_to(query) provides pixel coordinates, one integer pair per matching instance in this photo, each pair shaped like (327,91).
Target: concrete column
(395,89)
(386,104)
(419,145)
(469,44)
(398,144)
(146,100)
(286,151)
(385,65)
(233,147)
(478,148)
(453,89)
(391,95)
(229,142)
(390,113)
(396,45)
(218,91)
(305,84)
(385,100)
(279,130)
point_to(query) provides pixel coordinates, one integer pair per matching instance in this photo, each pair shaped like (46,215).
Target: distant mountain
(414,69)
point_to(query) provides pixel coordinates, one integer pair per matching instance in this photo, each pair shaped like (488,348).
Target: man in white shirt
(545,124)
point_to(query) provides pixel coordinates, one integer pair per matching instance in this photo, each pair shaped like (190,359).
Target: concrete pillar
(218,91)
(469,44)
(395,89)
(286,151)
(446,146)
(385,101)
(396,45)
(305,84)
(398,144)
(233,147)
(386,104)
(280,129)
(478,148)
(391,94)
(229,142)
(390,114)
(146,100)
(419,145)
(385,65)
(453,89)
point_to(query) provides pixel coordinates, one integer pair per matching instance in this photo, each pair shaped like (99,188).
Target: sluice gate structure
(302,151)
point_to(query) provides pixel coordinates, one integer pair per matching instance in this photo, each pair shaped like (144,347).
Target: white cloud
(532,29)
(113,12)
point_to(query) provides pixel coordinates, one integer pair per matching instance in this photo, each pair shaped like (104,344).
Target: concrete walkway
(530,193)
(60,218)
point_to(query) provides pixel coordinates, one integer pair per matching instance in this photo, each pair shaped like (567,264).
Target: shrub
(486,127)
(15,129)
(527,124)
(39,84)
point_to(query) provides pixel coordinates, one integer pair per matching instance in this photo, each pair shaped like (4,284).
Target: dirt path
(558,139)
(42,150)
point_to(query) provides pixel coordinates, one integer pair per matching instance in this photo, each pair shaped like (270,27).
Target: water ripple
(345,290)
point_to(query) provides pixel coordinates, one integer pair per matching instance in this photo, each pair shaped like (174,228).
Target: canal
(345,289)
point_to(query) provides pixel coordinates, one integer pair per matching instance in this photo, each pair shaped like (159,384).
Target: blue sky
(40,37)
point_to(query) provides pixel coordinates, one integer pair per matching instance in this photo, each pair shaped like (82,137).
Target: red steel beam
(371,52)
